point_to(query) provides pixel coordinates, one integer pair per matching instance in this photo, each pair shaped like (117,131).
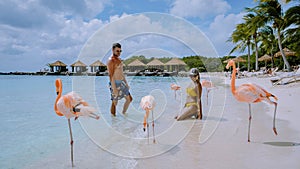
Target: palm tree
(292,17)
(242,40)
(268,41)
(271,12)
(254,21)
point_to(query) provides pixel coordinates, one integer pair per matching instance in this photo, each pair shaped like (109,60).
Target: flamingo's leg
(207,91)
(274,128)
(71,143)
(147,131)
(153,127)
(274,117)
(250,117)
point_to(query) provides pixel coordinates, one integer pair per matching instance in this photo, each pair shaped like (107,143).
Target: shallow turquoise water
(30,129)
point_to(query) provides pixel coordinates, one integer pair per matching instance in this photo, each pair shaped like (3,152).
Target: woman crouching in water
(193,105)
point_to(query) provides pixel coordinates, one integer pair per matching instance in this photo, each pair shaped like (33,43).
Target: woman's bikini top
(191,92)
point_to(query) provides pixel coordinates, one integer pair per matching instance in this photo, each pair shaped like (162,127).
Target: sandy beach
(225,147)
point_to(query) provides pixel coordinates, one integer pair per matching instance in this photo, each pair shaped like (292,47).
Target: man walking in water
(119,87)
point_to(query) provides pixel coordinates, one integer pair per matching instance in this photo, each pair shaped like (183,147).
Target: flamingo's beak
(57,93)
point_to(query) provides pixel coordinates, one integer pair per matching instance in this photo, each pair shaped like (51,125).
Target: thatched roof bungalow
(58,66)
(98,66)
(136,66)
(78,67)
(175,65)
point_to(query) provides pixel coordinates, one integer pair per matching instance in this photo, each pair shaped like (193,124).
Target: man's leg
(113,107)
(126,104)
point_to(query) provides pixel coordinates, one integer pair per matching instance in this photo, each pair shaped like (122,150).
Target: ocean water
(30,129)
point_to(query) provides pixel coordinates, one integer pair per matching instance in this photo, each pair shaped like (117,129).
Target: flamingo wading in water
(175,87)
(209,86)
(148,104)
(250,93)
(71,105)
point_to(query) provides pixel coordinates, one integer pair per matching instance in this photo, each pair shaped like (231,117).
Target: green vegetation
(145,60)
(268,29)
(204,64)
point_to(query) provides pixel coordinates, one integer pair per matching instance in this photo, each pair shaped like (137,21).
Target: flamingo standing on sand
(175,87)
(250,93)
(209,86)
(71,105)
(148,104)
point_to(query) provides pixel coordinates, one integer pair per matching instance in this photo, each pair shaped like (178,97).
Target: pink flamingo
(209,86)
(71,105)
(148,104)
(175,87)
(250,93)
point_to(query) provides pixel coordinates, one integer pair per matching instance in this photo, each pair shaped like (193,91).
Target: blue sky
(37,32)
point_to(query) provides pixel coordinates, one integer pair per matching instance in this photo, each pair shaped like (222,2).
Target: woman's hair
(194,72)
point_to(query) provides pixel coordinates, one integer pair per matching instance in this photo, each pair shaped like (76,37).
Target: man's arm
(111,71)
(126,82)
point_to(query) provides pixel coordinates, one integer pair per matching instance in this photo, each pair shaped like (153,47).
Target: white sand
(227,148)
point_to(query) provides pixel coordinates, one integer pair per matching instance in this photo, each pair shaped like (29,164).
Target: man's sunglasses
(119,51)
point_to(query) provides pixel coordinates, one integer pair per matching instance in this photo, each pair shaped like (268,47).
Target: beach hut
(58,66)
(78,67)
(156,64)
(136,66)
(98,66)
(175,64)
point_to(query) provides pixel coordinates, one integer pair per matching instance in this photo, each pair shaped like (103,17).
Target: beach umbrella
(239,60)
(265,58)
(287,52)
(227,60)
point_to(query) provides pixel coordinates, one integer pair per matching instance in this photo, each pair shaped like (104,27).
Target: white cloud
(199,8)
(148,31)
(82,8)
(51,34)
(220,30)
(32,31)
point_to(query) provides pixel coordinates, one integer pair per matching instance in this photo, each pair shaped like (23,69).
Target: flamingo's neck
(57,98)
(233,76)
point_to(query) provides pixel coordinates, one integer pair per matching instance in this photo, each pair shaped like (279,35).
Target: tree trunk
(282,53)
(272,59)
(248,44)
(256,53)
